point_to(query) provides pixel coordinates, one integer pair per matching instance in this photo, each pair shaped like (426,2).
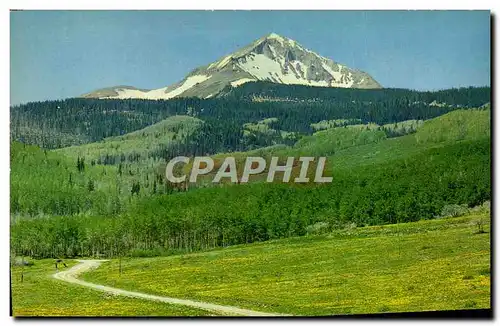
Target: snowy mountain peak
(272,58)
(279,38)
(275,36)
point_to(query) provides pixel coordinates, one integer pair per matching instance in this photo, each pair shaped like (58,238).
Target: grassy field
(41,295)
(421,266)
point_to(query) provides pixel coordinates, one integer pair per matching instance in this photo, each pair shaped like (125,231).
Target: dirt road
(71,275)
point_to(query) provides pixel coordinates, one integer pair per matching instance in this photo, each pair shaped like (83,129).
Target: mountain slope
(138,144)
(271,58)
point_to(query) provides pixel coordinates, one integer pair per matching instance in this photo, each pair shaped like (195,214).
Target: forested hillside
(142,144)
(262,91)
(377,180)
(56,124)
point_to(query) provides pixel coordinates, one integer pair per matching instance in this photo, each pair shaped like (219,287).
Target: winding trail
(71,275)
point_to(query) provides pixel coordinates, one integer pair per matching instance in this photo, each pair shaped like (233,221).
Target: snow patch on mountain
(264,68)
(293,72)
(335,74)
(221,63)
(190,82)
(239,82)
(124,93)
(273,51)
(160,93)
(156,93)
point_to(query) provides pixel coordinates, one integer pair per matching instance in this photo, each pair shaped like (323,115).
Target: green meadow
(420,266)
(38,294)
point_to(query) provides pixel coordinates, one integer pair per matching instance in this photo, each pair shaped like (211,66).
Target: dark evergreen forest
(55,124)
